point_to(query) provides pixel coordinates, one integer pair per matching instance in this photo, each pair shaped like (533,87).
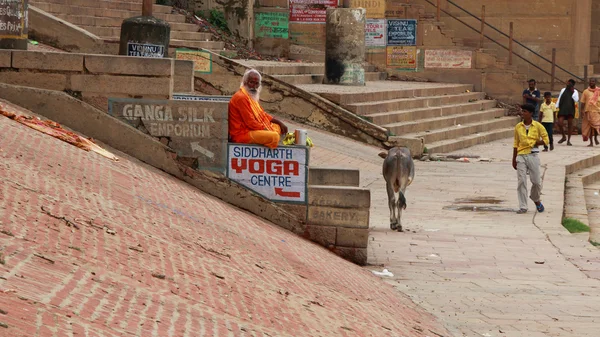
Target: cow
(398,172)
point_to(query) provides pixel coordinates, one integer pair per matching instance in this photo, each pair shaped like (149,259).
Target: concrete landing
(483,273)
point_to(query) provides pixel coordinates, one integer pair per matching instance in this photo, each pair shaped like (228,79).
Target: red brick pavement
(152,256)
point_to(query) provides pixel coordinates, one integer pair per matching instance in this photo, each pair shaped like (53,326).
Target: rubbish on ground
(384,273)
(33,42)
(55,130)
(463,160)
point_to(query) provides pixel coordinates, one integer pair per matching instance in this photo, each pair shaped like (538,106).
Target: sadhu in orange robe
(249,123)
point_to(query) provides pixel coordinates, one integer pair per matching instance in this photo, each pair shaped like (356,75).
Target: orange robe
(249,123)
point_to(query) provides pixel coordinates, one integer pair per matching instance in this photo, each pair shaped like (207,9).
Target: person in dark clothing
(532,96)
(566,110)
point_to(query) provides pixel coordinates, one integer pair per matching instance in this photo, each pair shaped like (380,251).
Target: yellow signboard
(375,8)
(402,57)
(202,59)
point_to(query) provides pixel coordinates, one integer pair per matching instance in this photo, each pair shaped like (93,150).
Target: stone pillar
(13,24)
(145,36)
(345,46)
(582,32)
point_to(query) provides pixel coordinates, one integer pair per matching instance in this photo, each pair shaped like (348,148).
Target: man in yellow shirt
(529,134)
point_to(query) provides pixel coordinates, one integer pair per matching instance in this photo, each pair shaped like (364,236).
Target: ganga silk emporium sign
(195,129)
(279,174)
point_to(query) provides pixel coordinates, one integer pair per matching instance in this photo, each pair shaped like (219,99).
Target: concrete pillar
(582,31)
(145,36)
(13,24)
(345,46)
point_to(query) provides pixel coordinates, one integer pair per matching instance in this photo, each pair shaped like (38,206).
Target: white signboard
(277,174)
(448,58)
(375,33)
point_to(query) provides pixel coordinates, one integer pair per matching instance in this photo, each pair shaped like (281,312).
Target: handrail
(501,45)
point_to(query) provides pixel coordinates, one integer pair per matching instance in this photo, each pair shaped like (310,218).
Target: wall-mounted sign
(196,98)
(375,33)
(375,8)
(196,129)
(448,58)
(310,11)
(277,174)
(401,32)
(402,57)
(202,59)
(145,50)
(272,25)
(13,19)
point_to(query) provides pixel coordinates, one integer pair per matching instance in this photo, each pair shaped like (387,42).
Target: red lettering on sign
(281,192)
(257,169)
(274,167)
(238,165)
(260,166)
(291,168)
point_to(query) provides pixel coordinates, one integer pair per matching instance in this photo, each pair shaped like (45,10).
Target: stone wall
(540,25)
(283,99)
(94,78)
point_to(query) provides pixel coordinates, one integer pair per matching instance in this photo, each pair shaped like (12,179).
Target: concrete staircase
(304,73)
(442,117)
(104,17)
(582,202)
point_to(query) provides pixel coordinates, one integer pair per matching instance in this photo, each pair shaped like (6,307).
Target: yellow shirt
(525,141)
(548,111)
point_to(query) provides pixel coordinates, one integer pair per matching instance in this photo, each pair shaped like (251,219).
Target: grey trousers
(528,163)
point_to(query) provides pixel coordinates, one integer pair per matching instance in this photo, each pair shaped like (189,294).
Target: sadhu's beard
(254,93)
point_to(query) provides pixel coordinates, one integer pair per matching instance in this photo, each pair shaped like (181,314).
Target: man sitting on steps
(248,122)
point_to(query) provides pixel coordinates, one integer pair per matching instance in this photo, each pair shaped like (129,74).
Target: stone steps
(581,201)
(107,4)
(464,130)
(104,18)
(318,78)
(451,145)
(102,12)
(448,122)
(385,118)
(366,108)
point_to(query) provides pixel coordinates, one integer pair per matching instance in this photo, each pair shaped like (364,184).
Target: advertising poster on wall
(375,8)
(402,57)
(375,33)
(448,58)
(401,32)
(310,11)
(272,25)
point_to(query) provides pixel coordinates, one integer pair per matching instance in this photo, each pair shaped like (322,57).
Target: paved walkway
(483,273)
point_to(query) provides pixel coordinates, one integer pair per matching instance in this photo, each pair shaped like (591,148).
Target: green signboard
(272,25)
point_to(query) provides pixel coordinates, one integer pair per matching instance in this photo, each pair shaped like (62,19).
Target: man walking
(532,96)
(566,110)
(529,134)
(590,108)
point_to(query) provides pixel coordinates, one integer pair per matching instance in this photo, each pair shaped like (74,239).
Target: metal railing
(511,41)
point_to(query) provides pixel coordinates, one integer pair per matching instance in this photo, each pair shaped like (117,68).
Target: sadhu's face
(253,82)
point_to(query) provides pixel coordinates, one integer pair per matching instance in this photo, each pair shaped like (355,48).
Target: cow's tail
(402,200)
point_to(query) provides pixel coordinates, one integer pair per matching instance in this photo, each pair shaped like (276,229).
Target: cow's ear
(383,154)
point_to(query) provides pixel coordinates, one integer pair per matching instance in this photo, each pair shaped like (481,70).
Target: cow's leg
(392,204)
(399,207)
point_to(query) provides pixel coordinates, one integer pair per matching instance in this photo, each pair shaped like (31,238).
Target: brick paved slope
(151,256)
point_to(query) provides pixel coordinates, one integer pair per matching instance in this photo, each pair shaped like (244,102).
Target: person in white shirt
(575,93)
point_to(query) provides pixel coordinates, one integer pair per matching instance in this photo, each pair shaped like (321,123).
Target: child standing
(547,110)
